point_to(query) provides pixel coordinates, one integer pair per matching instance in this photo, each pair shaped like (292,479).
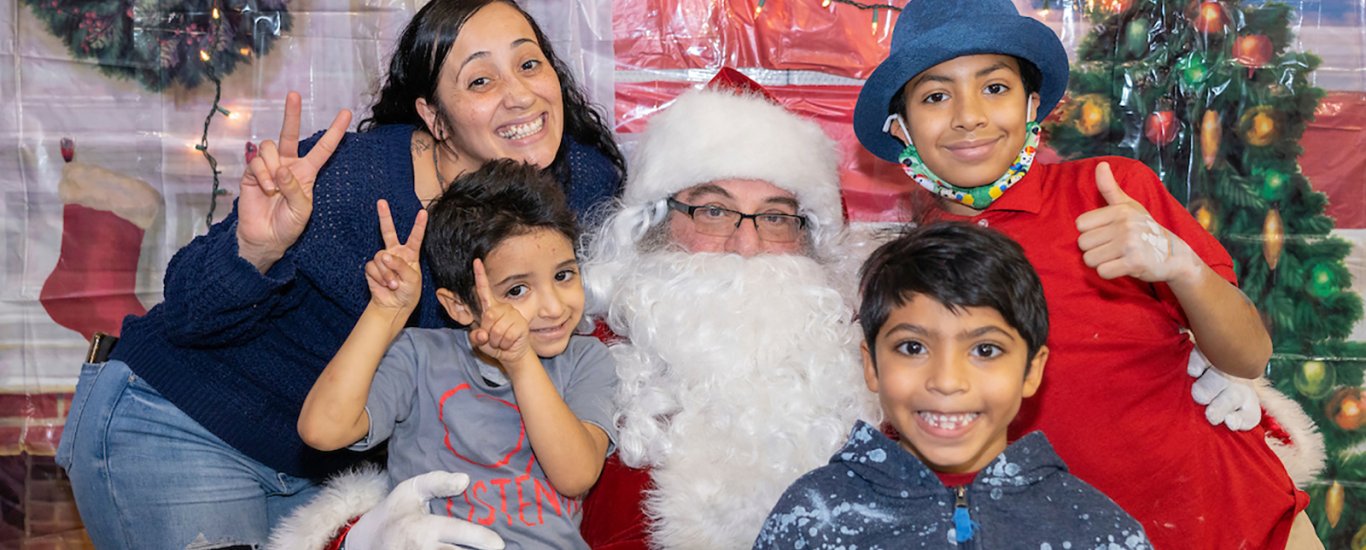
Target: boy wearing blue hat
(954,322)
(1129,275)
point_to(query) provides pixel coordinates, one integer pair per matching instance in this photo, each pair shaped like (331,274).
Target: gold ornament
(1203,211)
(1209,138)
(1092,115)
(1332,503)
(1259,126)
(1273,238)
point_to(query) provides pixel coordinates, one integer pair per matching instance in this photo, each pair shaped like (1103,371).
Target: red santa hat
(734,129)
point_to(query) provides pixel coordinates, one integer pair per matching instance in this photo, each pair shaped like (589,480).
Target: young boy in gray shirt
(516,400)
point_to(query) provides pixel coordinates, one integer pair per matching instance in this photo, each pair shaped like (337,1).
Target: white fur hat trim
(714,134)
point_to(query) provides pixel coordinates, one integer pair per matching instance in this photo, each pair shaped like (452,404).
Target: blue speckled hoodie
(874,494)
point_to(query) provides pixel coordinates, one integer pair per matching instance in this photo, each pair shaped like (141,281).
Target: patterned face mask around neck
(978,198)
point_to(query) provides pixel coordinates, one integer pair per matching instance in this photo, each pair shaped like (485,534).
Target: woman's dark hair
(415,70)
(959,265)
(1030,75)
(483,208)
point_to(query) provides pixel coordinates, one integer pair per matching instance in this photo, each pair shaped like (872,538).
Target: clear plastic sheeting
(84,242)
(87,241)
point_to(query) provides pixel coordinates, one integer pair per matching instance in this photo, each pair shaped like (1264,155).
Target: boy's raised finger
(386,224)
(289,131)
(414,241)
(481,287)
(1108,186)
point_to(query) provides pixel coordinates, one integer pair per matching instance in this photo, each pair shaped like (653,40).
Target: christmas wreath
(163,42)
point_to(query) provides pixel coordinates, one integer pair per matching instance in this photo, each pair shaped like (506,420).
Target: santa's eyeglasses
(722,222)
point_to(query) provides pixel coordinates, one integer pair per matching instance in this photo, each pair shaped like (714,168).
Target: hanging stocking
(104,217)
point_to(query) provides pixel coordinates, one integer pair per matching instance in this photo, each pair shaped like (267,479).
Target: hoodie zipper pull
(962,523)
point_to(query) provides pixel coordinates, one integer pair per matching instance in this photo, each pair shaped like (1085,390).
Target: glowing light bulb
(825,3)
(204,56)
(246,52)
(215,12)
(758,8)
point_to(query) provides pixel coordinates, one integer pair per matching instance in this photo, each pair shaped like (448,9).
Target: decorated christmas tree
(1209,95)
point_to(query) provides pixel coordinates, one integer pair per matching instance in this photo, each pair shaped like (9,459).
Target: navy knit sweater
(238,350)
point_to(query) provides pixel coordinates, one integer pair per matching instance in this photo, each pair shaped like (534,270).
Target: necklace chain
(441,182)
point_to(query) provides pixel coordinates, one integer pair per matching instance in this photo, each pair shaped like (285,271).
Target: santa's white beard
(740,375)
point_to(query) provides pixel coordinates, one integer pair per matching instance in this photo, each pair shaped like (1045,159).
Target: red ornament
(1345,408)
(1161,127)
(251,151)
(1253,51)
(68,149)
(1210,18)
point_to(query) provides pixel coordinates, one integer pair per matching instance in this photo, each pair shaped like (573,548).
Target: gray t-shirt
(432,398)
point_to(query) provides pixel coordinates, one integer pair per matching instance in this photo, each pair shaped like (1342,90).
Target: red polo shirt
(1116,399)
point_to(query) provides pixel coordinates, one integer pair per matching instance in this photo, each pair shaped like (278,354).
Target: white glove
(401,520)
(1228,402)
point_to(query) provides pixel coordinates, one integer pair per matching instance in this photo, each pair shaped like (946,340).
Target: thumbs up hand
(1122,239)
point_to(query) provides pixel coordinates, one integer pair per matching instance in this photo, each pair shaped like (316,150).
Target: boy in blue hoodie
(954,320)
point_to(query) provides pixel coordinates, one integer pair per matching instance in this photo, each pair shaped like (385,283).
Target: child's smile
(951,381)
(973,150)
(538,274)
(947,424)
(967,116)
(551,334)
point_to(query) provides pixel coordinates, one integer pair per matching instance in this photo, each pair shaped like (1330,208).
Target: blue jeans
(146,476)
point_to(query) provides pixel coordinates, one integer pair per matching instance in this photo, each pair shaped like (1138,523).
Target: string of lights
(203,145)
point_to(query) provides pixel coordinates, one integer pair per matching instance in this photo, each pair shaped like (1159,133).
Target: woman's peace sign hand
(277,188)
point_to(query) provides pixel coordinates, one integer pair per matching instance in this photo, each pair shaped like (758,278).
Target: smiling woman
(185,434)
(504,98)
(480,82)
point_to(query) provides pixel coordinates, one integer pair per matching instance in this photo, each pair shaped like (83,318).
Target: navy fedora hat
(930,32)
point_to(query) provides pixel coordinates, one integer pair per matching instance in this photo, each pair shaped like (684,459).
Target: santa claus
(727,272)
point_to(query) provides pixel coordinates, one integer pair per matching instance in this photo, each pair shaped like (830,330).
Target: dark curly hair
(415,70)
(481,209)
